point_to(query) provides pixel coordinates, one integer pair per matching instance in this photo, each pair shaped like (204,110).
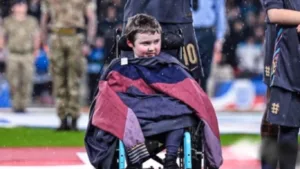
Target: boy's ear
(129,43)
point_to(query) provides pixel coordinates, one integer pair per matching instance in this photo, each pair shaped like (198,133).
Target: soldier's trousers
(19,73)
(67,67)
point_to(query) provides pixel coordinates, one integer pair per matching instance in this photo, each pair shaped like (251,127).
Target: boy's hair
(141,23)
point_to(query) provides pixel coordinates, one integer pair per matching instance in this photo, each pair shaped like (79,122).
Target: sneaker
(134,166)
(171,164)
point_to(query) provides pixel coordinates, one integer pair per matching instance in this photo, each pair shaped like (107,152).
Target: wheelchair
(191,153)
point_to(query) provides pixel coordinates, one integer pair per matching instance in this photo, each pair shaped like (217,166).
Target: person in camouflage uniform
(20,34)
(66,37)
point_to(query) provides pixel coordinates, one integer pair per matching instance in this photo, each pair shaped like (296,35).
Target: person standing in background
(67,30)
(210,27)
(20,35)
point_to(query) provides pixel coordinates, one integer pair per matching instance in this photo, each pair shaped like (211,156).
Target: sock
(288,147)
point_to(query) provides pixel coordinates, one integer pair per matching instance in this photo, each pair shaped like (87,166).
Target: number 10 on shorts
(189,55)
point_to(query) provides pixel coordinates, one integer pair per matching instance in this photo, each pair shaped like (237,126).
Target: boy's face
(146,44)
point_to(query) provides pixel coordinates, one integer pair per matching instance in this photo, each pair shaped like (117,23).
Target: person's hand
(36,52)
(298,28)
(217,55)
(86,50)
(46,48)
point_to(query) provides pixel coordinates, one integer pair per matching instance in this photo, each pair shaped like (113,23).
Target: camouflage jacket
(67,13)
(20,34)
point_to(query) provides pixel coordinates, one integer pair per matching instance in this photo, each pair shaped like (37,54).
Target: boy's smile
(146,44)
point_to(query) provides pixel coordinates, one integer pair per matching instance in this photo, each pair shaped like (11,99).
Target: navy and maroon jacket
(145,94)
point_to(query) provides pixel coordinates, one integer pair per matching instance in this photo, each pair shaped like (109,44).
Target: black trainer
(170,164)
(134,166)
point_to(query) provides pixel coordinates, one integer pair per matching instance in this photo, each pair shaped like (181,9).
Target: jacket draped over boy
(143,98)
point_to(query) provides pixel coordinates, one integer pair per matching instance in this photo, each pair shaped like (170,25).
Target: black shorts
(191,53)
(284,107)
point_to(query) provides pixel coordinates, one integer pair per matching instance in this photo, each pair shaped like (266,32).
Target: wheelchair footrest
(187,153)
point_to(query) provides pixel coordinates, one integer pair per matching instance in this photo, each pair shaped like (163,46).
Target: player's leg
(284,111)
(206,39)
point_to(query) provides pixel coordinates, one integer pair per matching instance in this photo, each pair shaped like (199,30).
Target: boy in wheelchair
(144,37)
(148,95)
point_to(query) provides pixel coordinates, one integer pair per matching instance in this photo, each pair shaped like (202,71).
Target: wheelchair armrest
(170,41)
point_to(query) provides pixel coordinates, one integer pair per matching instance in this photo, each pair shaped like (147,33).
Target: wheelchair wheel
(198,151)
(115,162)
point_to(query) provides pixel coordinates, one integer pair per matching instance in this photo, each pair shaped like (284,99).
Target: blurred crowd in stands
(242,50)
